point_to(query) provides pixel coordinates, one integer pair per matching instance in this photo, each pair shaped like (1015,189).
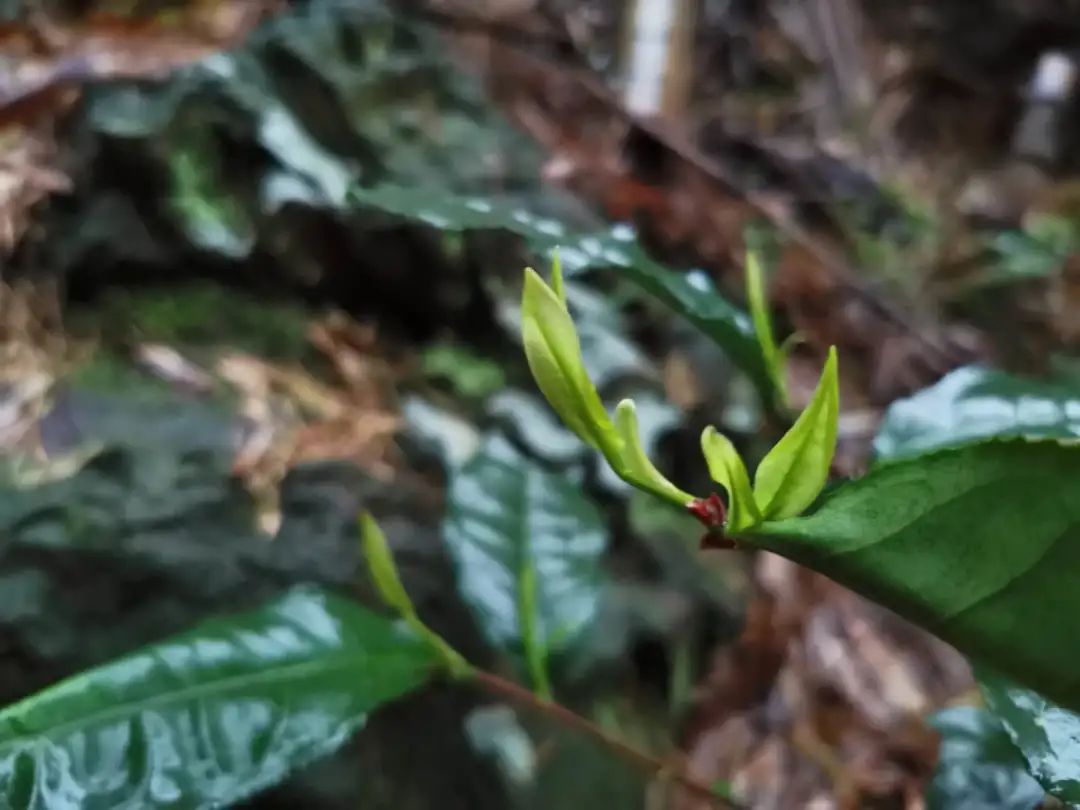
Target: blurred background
(261,265)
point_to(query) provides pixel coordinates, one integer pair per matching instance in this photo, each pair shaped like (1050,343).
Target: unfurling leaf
(385,576)
(383,571)
(636,466)
(553,352)
(727,469)
(795,471)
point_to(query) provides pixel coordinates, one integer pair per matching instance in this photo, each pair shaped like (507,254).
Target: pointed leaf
(506,514)
(557,286)
(1047,735)
(554,356)
(212,716)
(979,544)
(383,570)
(636,466)
(978,765)
(797,468)
(763,328)
(385,575)
(727,469)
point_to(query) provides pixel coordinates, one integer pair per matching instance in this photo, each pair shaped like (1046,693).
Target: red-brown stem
(658,768)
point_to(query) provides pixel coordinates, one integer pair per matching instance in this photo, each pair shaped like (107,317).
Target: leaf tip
(557,277)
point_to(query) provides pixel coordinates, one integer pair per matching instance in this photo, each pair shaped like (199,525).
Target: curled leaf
(636,468)
(727,469)
(553,352)
(795,471)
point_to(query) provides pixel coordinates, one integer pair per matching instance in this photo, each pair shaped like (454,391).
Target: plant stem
(562,715)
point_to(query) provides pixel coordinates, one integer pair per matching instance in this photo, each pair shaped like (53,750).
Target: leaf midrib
(218,686)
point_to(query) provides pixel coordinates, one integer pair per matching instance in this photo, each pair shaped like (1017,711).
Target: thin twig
(658,768)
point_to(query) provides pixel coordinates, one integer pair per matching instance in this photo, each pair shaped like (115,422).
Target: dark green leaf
(979,768)
(507,515)
(979,544)
(1046,734)
(976,403)
(211,716)
(618,247)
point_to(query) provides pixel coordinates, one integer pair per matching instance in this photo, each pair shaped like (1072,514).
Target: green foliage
(1037,251)
(728,470)
(209,717)
(1048,735)
(528,547)
(385,576)
(756,297)
(977,403)
(788,479)
(200,314)
(732,329)
(212,216)
(973,403)
(554,355)
(553,351)
(978,765)
(470,375)
(794,472)
(976,543)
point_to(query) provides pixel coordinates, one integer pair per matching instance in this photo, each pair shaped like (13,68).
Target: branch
(657,768)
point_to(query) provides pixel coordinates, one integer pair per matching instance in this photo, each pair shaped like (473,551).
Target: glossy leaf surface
(506,516)
(978,765)
(1047,735)
(977,403)
(211,716)
(979,544)
(699,303)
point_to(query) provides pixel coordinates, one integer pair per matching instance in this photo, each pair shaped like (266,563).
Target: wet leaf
(978,765)
(508,516)
(975,403)
(1047,735)
(731,328)
(211,716)
(795,470)
(978,544)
